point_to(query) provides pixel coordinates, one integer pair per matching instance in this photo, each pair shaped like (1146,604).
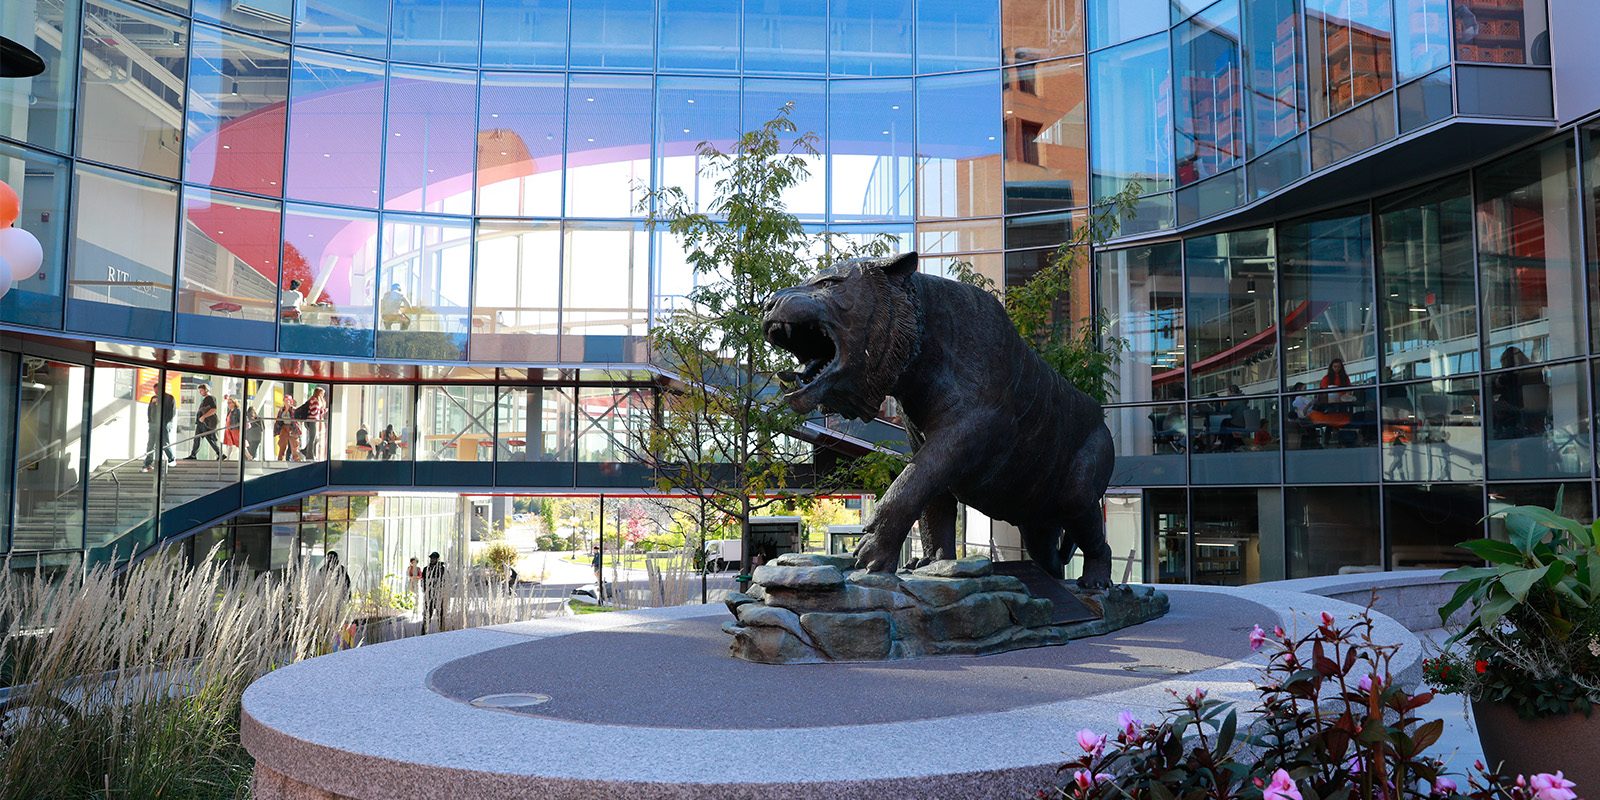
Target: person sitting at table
(291,302)
(388,441)
(393,305)
(1337,378)
(1507,396)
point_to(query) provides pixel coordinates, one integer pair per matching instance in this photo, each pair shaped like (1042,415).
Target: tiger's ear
(900,266)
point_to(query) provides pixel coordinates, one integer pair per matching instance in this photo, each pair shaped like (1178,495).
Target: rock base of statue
(815,608)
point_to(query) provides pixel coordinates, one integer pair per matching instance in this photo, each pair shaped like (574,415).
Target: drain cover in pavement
(511,700)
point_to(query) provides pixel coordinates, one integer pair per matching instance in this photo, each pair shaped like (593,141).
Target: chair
(1535,407)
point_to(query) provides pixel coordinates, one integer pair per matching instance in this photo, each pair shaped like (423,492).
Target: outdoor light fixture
(17,61)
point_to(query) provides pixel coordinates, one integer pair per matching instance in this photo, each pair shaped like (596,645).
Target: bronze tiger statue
(989,422)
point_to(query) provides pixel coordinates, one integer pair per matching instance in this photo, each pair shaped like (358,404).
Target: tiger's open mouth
(812,344)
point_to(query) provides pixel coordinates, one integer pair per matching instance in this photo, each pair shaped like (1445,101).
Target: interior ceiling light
(17,61)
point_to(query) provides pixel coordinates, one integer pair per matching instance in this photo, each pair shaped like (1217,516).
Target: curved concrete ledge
(365,724)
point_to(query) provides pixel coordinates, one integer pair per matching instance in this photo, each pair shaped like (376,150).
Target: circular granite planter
(1570,742)
(645,705)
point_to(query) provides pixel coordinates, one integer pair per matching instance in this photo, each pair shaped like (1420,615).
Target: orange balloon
(10,206)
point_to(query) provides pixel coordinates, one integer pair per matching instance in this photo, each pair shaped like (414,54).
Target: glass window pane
(202,436)
(1353,132)
(38,110)
(1591,190)
(1026,39)
(515,308)
(1426,522)
(1349,56)
(609,419)
(1426,101)
(700,35)
(536,424)
(428,154)
(425,280)
(122,257)
(266,17)
(1272,68)
(524,33)
(1331,436)
(1047,137)
(1570,500)
(1234,439)
(519,144)
(1332,530)
(870,37)
(1210,121)
(807,199)
(1232,338)
(870,149)
(228,278)
(326,299)
(605,300)
(786,38)
(125,45)
(1238,539)
(378,414)
(335,129)
(1427,288)
(1421,37)
(958,236)
(954,35)
(613,34)
(1042,230)
(1432,432)
(1115,21)
(435,31)
(1162,515)
(1503,33)
(1326,267)
(49,489)
(958,154)
(237,88)
(357,27)
(122,481)
(455,423)
(1130,117)
(1527,229)
(8,435)
(692,111)
(1151,443)
(608,145)
(1539,423)
(43,188)
(1141,288)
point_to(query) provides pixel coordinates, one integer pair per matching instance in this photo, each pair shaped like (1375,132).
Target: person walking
(163,408)
(435,602)
(598,563)
(205,425)
(287,430)
(414,581)
(335,578)
(253,430)
(230,434)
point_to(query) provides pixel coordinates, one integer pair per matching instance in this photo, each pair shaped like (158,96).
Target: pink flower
(1327,620)
(1354,765)
(1277,630)
(1083,779)
(1282,788)
(1366,683)
(1258,638)
(1444,786)
(1552,787)
(1091,742)
(1289,659)
(1198,695)
(1130,726)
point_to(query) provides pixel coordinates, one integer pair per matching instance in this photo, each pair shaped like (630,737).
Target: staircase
(121,495)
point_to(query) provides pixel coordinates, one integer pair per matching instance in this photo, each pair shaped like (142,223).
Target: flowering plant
(1331,724)
(1533,637)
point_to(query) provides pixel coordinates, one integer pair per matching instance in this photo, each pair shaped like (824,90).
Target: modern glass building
(427,213)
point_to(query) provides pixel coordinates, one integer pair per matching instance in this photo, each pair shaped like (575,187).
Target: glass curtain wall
(228,272)
(131,86)
(516,291)
(127,426)
(1047,136)
(425,279)
(48,488)
(1427,284)
(370,422)
(43,187)
(122,256)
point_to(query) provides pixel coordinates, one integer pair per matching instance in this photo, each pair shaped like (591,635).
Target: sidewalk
(1458,747)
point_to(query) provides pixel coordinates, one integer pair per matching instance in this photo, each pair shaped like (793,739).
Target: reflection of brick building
(1355,63)
(1046,132)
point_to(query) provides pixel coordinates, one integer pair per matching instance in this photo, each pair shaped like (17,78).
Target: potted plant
(1528,656)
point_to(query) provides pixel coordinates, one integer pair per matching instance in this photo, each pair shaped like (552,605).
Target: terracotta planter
(1569,743)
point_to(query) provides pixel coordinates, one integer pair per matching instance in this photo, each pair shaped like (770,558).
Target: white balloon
(5,276)
(23,251)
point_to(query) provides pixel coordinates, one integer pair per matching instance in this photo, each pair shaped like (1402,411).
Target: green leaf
(1518,583)
(1427,735)
(1496,606)
(1225,736)
(1493,551)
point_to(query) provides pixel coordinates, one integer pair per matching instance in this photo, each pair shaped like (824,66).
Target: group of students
(387,445)
(240,426)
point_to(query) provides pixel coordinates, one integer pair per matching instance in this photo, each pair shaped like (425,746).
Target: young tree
(722,436)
